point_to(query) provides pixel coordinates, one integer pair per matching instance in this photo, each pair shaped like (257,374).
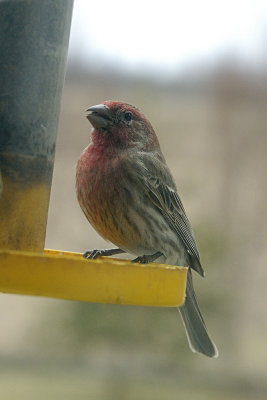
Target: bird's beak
(99,116)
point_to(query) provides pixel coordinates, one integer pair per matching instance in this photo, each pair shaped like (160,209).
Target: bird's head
(121,125)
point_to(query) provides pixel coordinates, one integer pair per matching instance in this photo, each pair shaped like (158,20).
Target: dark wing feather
(163,193)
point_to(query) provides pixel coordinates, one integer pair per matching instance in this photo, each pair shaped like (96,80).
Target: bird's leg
(147,258)
(93,254)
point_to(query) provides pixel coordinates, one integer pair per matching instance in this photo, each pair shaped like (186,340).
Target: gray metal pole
(34,37)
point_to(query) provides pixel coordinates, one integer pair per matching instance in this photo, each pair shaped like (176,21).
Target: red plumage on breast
(102,195)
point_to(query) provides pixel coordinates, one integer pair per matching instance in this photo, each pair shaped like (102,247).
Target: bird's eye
(128,116)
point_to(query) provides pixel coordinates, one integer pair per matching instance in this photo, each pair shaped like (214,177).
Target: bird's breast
(104,195)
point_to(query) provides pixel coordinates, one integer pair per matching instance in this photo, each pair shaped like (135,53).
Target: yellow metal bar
(65,275)
(23,214)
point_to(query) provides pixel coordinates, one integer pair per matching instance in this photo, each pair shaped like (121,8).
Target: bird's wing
(161,190)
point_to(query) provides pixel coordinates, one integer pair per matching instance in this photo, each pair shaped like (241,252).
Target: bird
(128,194)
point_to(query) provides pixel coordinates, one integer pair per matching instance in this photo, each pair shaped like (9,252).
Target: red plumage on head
(120,135)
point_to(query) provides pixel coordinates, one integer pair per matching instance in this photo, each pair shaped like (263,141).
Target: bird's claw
(92,254)
(147,258)
(141,260)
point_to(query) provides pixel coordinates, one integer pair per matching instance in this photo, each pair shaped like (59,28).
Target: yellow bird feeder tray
(64,275)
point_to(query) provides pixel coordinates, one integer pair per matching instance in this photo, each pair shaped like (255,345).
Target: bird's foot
(147,258)
(93,254)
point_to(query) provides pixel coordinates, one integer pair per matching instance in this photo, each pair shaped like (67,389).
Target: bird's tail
(198,338)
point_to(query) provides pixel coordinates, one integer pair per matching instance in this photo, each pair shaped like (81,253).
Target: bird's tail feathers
(198,338)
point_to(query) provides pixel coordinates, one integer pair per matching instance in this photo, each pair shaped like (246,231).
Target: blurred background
(198,71)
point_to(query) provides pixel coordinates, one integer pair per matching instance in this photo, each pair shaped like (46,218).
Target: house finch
(127,193)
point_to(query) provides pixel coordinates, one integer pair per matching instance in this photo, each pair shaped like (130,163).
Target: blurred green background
(211,122)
